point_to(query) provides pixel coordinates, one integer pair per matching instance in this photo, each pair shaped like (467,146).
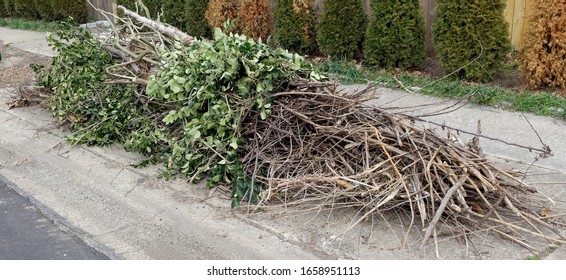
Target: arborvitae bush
(294,27)
(196,24)
(341,29)
(44,9)
(396,35)
(255,19)
(26,9)
(219,11)
(543,54)
(471,37)
(77,9)
(9,8)
(154,7)
(130,4)
(287,29)
(2,9)
(174,13)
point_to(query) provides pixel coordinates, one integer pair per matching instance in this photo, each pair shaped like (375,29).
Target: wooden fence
(515,13)
(104,5)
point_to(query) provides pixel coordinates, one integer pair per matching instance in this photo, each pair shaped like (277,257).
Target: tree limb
(168,31)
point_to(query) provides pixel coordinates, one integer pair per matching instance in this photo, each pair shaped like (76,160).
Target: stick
(440,210)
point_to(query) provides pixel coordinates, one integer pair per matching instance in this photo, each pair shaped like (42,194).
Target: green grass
(24,24)
(549,250)
(539,103)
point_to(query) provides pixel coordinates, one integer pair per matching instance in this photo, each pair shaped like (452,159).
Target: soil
(15,69)
(508,78)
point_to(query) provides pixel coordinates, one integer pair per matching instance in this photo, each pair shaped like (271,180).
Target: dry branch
(166,30)
(327,147)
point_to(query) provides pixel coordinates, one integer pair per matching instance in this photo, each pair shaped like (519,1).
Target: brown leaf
(545,212)
(73,119)
(343,184)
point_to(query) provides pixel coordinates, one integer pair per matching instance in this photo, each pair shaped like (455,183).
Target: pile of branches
(329,148)
(306,142)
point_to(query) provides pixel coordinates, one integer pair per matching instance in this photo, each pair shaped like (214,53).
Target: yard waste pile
(262,121)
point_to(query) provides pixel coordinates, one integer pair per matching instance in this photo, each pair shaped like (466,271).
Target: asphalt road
(26,233)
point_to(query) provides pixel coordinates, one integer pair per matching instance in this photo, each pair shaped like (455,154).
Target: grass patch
(549,250)
(23,24)
(538,103)
(533,258)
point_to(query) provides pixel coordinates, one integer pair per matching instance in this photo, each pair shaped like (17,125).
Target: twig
(440,209)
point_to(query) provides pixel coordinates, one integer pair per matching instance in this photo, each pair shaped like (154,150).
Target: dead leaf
(344,184)
(545,212)
(73,119)
(18,103)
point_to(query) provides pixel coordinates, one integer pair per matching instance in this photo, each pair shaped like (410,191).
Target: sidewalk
(30,41)
(140,216)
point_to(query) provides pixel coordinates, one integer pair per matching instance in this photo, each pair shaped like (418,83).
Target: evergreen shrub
(174,13)
(77,9)
(219,11)
(129,4)
(543,54)
(196,24)
(294,27)
(26,9)
(154,7)
(9,8)
(471,37)
(44,9)
(396,35)
(255,19)
(341,29)
(3,13)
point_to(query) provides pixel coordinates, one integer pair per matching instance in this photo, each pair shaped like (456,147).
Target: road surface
(26,233)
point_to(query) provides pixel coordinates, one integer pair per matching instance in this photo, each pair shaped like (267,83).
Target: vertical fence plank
(104,5)
(510,16)
(518,20)
(526,14)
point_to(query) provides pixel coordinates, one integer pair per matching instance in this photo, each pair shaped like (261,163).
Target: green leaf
(268,85)
(260,87)
(171,117)
(180,80)
(235,202)
(234,144)
(176,88)
(263,115)
(194,133)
